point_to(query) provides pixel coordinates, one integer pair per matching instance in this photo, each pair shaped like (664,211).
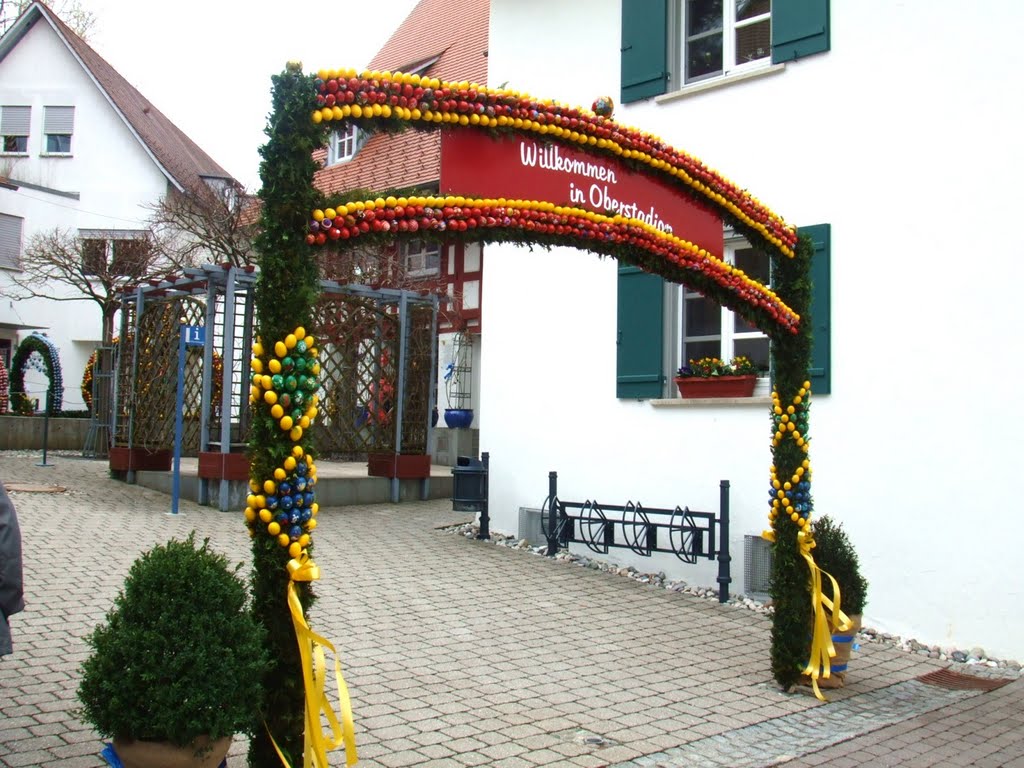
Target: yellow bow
(314,674)
(822,650)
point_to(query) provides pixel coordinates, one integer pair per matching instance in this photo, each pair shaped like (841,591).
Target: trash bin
(469,492)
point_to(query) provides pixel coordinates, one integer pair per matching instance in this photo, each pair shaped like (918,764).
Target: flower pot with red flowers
(711,377)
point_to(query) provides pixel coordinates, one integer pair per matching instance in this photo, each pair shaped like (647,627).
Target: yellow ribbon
(822,650)
(314,673)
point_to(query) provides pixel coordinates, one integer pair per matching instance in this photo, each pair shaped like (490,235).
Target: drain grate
(956,681)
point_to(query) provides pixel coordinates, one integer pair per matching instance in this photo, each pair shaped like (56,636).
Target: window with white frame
(709,330)
(722,37)
(344,145)
(14,128)
(58,127)
(10,241)
(421,258)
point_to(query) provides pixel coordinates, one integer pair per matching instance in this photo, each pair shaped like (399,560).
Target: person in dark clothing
(11,583)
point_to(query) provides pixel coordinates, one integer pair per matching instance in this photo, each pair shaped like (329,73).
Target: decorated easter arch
(297,220)
(37,344)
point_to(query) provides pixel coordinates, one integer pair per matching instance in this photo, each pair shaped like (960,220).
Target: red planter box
(716,386)
(214,465)
(124,459)
(398,465)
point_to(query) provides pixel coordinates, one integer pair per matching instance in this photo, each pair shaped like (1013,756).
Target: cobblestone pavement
(458,653)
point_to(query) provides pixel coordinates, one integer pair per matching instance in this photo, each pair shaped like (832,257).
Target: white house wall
(110,170)
(904,138)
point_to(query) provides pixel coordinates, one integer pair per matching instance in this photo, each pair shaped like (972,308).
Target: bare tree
(206,224)
(71,12)
(95,269)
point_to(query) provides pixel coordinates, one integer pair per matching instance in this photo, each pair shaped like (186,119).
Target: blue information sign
(195,335)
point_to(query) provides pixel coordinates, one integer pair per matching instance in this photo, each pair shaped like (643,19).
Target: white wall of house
(910,150)
(109,169)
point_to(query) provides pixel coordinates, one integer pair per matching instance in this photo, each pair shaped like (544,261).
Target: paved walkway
(458,653)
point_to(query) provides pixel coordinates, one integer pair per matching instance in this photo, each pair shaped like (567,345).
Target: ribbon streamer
(314,673)
(822,650)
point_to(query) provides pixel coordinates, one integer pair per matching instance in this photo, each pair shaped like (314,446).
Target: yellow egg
(270,396)
(297,451)
(274,528)
(296,433)
(251,498)
(280,474)
(261,501)
(269,486)
(266,515)
(304,422)
(314,508)
(267,382)
(277,411)
(257,349)
(250,514)
(289,463)
(256,365)
(290,341)
(286,423)
(295,549)
(309,342)
(280,349)
(274,365)
(283,539)
(311,524)
(300,332)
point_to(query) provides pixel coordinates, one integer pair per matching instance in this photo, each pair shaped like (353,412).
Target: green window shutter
(820,371)
(639,369)
(799,28)
(644,49)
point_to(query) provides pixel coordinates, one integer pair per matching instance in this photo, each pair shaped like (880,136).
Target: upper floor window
(58,127)
(14,125)
(115,253)
(343,145)
(710,330)
(721,37)
(10,241)
(421,258)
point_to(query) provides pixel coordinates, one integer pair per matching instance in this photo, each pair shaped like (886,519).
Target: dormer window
(344,144)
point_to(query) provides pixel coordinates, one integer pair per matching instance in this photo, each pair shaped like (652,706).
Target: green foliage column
(791,475)
(285,293)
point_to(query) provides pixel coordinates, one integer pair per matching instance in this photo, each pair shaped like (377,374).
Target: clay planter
(160,754)
(843,644)
(716,386)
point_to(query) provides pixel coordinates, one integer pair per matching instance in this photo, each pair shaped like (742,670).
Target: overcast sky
(207,64)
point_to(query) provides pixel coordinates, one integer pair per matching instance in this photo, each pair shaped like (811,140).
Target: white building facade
(85,153)
(900,135)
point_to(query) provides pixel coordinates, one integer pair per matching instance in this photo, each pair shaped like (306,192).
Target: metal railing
(689,535)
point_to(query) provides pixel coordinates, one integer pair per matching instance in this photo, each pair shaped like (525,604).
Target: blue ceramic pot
(458,418)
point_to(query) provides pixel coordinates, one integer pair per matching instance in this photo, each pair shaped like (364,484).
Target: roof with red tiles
(179,158)
(452,37)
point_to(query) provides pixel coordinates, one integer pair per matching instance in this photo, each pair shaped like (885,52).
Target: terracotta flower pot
(201,753)
(716,386)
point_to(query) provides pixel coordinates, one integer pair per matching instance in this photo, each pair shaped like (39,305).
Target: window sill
(704,402)
(722,82)
(55,154)
(13,154)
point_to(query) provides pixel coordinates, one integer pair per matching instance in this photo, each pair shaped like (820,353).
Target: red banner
(475,164)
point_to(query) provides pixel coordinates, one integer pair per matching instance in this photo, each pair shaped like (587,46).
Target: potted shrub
(711,377)
(835,554)
(176,669)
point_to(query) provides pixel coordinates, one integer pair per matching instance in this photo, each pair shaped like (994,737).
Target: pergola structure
(377,390)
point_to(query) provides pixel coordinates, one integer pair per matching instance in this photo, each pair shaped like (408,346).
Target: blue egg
(301,468)
(281,517)
(284,488)
(286,502)
(306,514)
(271,502)
(295,531)
(295,517)
(308,498)
(300,484)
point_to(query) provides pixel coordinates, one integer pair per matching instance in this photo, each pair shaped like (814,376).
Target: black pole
(723,543)
(46,430)
(552,513)
(485,519)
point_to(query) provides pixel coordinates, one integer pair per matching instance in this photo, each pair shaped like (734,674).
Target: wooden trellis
(377,353)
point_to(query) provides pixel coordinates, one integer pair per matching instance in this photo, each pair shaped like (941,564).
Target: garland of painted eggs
(285,379)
